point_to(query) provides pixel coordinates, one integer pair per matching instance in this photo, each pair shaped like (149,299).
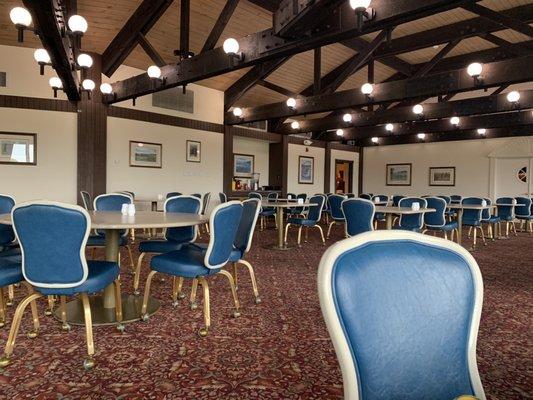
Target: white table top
(401,210)
(469,206)
(279,204)
(141,219)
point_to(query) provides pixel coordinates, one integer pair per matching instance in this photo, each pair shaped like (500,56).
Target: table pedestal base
(278,247)
(131,310)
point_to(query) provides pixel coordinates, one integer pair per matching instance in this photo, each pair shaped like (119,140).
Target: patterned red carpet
(278,349)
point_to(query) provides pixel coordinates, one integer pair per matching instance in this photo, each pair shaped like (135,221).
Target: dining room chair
(8,244)
(197,195)
(337,215)
(456,199)
(174,238)
(255,195)
(309,221)
(396,200)
(10,275)
(359,214)
(267,212)
(523,213)
(350,195)
(411,222)
(190,263)
(506,213)
(365,196)
(87,200)
(492,221)
(222,197)
(297,211)
(172,194)
(206,201)
(380,200)
(403,311)
(53,237)
(435,221)
(472,218)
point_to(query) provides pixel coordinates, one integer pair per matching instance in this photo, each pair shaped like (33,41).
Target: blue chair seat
(268,213)
(101,274)
(234,256)
(449,226)
(10,272)
(471,222)
(99,241)
(494,219)
(379,216)
(187,263)
(406,229)
(301,221)
(525,217)
(159,246)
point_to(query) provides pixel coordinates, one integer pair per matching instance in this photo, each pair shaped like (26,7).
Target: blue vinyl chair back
(412,221)
(335,204)
(403,312)
(396,199)
(198,195)
(472,217)
(486,212)
(7,235)
(299,210)
(52,238)
(291,196)
(447,199)
(365,196)
(359,214)
(224,222)
(436,218)
(525,210)
(173,194)
(222,197)
(255,195)
(456,199)
(205,202)
(380,198)
(350,195)
(245,231)
(182,204)
(505,213)
(315,212)
(112,202)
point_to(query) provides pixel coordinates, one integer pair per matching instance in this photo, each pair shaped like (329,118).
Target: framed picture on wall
(398,175)
(442,176)
(194,151)
(243,165)
(306,170)
(18,148)
(145,154)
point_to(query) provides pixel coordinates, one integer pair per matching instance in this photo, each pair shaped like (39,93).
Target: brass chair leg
(177,285)
(63,308)
(194,288)
(34,313)
(321,234)
(513,226)
(445,235)
(15,325)
(118,305)
(452,234)
(252,278)
(329,228)
(237,312)
(469,232)
(286,231)
(144,315)
(299,235)
(10,295)
(235,276)
(2,309)
(51,302)
(131,257)
(475,239)
(202,332)
(137,274)
(88,363)
(482,235)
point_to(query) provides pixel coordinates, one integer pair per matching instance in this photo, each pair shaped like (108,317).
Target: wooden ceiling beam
(500,18)
(185,21)
(269,5)
(220,25)
(494,74)
(141,21)
(514,48)
(277,88)
(150,50)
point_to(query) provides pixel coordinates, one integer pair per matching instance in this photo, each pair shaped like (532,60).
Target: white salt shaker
(124,209)
(415,206)
(131,209)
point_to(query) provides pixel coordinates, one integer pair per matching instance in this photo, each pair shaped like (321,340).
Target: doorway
(343,176)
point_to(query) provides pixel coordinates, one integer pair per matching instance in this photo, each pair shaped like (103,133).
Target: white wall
(260,149)
(469,157)
(295,151)
(345,156)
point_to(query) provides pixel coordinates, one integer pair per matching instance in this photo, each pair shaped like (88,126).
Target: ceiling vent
(174,99)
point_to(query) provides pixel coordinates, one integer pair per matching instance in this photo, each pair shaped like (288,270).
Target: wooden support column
(360,172)
(184,25)
(317,71)
(327,169)
(92,136)
(278,164)
(228,159)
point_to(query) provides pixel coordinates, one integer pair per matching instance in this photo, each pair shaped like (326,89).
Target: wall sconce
(87,86)
(55,84)
(43,58)
(362,12)
(107,90)
(455,121)
(295,125)
(291,103)
(237,112)
(514,98)
(375,140)
(154,72)
(347,118)
(231,48)
(22,20)
(389,128)
(419,111)
(475,70)
(421,136)
(482,131)
(367,90)
(340,132)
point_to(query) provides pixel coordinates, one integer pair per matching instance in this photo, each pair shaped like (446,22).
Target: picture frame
(398,174)
(194,151)
(146,154)
(243,165)
(18,148)
(442,176)
(306,170)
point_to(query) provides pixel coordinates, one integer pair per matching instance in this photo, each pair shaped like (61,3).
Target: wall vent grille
(3,79)
(174,99)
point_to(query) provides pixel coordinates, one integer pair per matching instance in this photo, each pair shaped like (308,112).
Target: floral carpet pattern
(278,349)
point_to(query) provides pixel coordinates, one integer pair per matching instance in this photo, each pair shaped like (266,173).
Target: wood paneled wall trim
(257,134)
(36,103)
(344,147)
(327,168)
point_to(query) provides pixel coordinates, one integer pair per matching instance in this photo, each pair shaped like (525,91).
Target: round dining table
(113,223)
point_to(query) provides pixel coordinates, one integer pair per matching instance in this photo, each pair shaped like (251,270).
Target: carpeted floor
(278,349)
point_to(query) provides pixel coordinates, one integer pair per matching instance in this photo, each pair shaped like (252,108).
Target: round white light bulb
(291,103)
(20,16)
(389,127)
(418,109)
(77,24)
(513,97)
(55,82)
(231,46)
(421,136)
(481,131)
(367,88)
(295,125)
(360,5)
(455,121)
(106,88)
(340,132)
(474,69)
(85,60)
(375,139)
(237,111)
(154,72)
(41,56)
(88,84)
(347,117)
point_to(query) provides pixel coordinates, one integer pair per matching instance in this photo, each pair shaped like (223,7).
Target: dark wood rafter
(262,46)
(499,90)
(50,21)
(516,49)
(317,71)
(185,20)
(494,74)
(219,26)
(427,67)
(500,18)
(276,88)
(141,21)
(476,106)
(269,5)
(150,50)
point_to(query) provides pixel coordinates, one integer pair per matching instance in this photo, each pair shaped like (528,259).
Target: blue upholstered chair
(87,200)
(359,214)
(490,220)
(173,194)
(8,246)
(111,202)
(53,237)
(255,195)
(175,238)
(436,220)
(380,200)
(291,196)
(411,222)
(10,274)
(350,195)
(195,263)
(456,199)
(472,218)
(206,200)
(198,195)
(297,211)
(269,212)
(523,213)
(396,200)
(506,213)
(403,312)
(311,220)
(222,197)
(365,196)
(337,216)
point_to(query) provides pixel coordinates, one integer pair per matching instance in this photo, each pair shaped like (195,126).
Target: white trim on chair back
(334,324)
